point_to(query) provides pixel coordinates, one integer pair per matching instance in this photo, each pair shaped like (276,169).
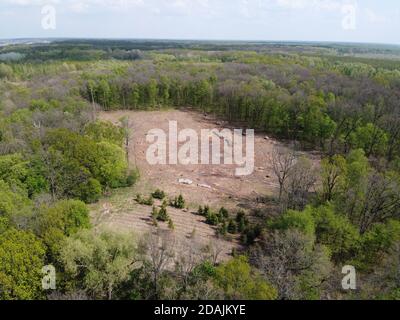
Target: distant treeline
(94,49)
(335,107)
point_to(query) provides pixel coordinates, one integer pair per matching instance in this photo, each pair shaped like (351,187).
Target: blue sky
(312,20)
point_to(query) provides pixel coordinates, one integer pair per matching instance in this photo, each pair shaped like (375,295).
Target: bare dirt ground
(225,189)
(122,213)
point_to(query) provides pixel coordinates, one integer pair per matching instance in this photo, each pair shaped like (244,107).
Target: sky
(370,21)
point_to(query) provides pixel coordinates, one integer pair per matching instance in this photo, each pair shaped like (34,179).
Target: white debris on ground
(190,182)
(185,181)
(204,186)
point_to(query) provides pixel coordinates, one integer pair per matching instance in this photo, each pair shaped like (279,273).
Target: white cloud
(31,2)
(374,17)
(311,4)
(79,7)
(168,7)
(245,7)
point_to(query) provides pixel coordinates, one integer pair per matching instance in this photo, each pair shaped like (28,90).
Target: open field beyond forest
(213,185)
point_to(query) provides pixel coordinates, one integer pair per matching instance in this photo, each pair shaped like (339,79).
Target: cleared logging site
(81,191)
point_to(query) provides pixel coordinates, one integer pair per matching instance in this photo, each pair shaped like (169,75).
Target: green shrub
(158,194)
(212,219)
(160,215)
(179,202)
(222,229)
(336,232)
(224,213)
(203,211)
(147,202)
(302,221)
(200,211)
(241,221)
(232,227)
(240,281)
(154,212)
(163,215)
(90,191)
(251,233)
(132,177)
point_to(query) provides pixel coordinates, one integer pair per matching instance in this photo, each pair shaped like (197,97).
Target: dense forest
(56,157)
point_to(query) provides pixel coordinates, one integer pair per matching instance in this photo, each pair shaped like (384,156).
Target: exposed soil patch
(121,212)
(213,185)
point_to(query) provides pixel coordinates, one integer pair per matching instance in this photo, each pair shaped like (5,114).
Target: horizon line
(204,40)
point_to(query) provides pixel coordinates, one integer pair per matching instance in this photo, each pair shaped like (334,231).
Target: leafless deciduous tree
(381,202)
(190,284)
(127,127)
(213,251)
(286,258)
(300,182)
(158,249)
(190,256)
(282,161)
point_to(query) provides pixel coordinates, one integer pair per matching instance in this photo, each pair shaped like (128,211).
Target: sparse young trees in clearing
(149,201)
(178,202)
(158,194)
(171,224)
(163,215)
(212,219)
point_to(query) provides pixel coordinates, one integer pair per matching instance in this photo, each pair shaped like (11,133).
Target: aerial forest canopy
(57,158)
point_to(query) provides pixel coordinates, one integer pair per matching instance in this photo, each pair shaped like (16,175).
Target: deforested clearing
(213,185)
